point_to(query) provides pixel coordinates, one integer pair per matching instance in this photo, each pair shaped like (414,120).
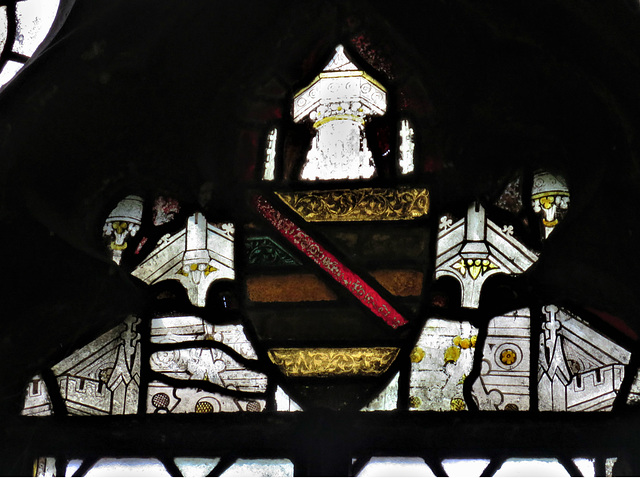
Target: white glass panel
(284,403)
(166,399)
(9,71)
(246,467)
(587,466)
(504,378)
(396,466)
(532,467)
(579,369)
(37,401)
(34,19)
(270,156)
(387,399)
(44,466)
(103,378)
(464,467)
(3,27)
(72,467)
(128,467)
(406,147)
(440,362)
(196,466)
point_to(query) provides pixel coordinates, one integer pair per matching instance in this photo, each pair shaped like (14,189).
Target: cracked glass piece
(269,173)
(178,329)
(128,467)
(396,466)
(549,199)
(164,210)
(197,256)
(387,399)
(511,198)
(284,403)
(37,402)
(532,467)
(587,466)
(440,362)
(406,147)
(196,466)
(503,383)
(338,102)
(123,222)
(164,398)
(10,70)
(103,378)
(475,248)
(34,19)
(208,364)
(464,467)
(260,467)
(44,466)
(579,369)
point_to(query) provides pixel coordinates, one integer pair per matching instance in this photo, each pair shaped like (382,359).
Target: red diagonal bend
(327,261)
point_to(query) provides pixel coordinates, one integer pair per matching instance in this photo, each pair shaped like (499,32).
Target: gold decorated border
(328,362)
(340,74)
(366,204)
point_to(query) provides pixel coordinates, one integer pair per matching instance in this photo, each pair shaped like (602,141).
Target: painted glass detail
(503,383)
(103,378)
(387,399)
(264,251)
(406,147)
(440,362)
(269,173)
(550,199)
(338,102)
(163,398)
(196,257)
(475,248)
(322,362)
(367,204)
(37,402)
(123,222)
(579,368)
(328,262)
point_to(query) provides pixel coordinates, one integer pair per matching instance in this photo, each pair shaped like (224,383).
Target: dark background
(176,98)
